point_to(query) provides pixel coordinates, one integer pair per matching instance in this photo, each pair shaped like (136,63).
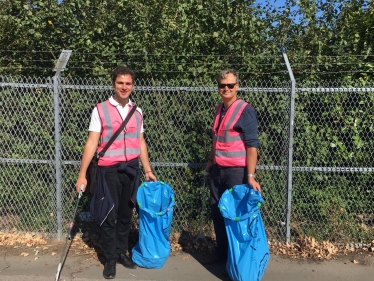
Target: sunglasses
(230,86)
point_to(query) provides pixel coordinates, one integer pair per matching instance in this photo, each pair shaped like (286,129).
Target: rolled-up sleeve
(248,126)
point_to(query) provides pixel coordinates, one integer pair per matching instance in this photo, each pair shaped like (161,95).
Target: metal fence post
(290,147)
(60,66)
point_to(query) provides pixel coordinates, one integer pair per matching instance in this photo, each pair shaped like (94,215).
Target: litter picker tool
(201,234)
(68,236)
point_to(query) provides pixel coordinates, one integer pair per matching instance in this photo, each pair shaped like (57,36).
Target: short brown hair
(122,70)
(226,71)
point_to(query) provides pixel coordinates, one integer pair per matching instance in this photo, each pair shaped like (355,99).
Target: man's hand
(255,185)
(150,176)
(207,168)
(80,181)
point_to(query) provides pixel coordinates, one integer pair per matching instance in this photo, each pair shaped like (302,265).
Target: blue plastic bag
(155,201)
(248,254)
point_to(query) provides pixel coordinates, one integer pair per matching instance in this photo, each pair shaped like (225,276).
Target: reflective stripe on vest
(127,145)
(228,144)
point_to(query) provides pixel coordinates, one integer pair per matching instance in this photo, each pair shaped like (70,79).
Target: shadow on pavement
(218,270)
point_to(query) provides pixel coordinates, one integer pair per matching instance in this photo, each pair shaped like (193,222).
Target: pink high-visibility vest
(127,145)
(228,144)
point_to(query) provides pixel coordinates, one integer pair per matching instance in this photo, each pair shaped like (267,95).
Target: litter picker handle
(81,191)
(68,236)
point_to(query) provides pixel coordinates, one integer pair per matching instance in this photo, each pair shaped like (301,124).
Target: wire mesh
(332,164)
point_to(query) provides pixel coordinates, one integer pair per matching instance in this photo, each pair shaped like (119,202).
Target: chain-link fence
(316,154)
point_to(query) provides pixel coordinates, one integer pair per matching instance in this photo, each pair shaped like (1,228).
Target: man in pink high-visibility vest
(233,157)
(118,169)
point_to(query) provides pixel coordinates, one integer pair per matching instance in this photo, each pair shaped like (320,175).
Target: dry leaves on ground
(14,238)
(86,245)
(308,247)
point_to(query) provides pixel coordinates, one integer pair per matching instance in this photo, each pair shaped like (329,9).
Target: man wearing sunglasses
(233,157)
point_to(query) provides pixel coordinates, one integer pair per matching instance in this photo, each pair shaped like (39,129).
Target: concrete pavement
(179,267)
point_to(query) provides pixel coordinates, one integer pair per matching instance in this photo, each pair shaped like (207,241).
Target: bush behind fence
(44,124)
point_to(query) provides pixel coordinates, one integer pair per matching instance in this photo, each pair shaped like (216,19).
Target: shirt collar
(115,103)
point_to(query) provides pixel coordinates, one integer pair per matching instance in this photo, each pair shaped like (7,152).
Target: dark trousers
(222,178)
(116,228)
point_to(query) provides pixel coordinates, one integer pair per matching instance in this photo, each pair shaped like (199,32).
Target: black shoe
(109,271)
(126,261)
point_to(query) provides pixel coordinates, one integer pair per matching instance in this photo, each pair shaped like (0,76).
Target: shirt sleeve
(141,113)
(95,123)
(248,126)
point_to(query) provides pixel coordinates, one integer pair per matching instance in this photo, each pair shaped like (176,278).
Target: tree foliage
(189,39)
